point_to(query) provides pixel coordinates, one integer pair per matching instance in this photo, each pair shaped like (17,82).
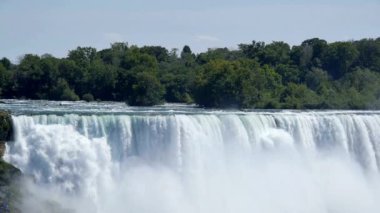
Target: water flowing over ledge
(176,158)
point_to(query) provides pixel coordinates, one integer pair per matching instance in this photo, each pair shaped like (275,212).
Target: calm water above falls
(108,157)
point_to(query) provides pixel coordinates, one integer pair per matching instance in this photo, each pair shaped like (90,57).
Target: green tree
(6,63)
(28,77)
(115,54)
(88,97)
(76,76)
(317,78)
(3,78)
(237,84)
(63,92)
(187,57)
(83,56)
(102,80)
(339,58)
(369,54)
(135,58)
(314,74)
(364,86)
(289,73)
(298,96)
(160,53)
(277,52)
(254,50)
(219,53)
(146,90)
(318,48)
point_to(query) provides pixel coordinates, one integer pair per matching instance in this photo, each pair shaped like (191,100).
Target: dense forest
(312,75)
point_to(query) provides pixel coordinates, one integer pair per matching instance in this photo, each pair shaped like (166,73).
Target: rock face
(9,191)
(6,128)
(2,149)
(9,175)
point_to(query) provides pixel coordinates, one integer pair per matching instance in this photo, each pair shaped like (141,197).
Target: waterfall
(202,162)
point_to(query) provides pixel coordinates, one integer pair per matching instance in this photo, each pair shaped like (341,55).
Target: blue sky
(56,26)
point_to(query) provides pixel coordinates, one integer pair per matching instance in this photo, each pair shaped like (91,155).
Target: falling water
(183,159)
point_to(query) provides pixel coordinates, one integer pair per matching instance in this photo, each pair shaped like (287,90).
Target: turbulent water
(107,157)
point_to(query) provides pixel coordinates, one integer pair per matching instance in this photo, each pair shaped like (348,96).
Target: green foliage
(339,58)
(160,53)
(289,73)
(237,84)
(88,97)
(82,55)
(76,76)
(221,84)
(310,53)
(114,55)
(102,80)
(299,96)
(369,54)
(6,63)
(275,53)
(254,50)
(362,89)
(178,86)
(63,92)
(316,78)
(134,57)
(314,74)
(146,90)
(3,77)
(218,53)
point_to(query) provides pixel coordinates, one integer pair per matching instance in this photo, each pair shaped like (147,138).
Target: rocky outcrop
(6,127)
(9,190)
(2,149)
(9,175)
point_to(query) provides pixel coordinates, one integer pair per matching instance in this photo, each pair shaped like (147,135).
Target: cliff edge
(9,174)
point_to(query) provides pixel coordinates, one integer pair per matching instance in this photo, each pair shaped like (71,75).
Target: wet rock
(9,175)
(9,187)
(6,127)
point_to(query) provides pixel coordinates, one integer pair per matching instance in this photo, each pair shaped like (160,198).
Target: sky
(57,26)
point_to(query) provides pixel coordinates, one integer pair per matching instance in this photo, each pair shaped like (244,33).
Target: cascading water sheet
(183,159)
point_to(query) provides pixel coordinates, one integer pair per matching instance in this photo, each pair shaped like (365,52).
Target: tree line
(313,75)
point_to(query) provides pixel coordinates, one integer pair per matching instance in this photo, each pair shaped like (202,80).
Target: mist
(273,181)
(277,162)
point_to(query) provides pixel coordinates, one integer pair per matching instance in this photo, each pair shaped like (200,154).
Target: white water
(296,162)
